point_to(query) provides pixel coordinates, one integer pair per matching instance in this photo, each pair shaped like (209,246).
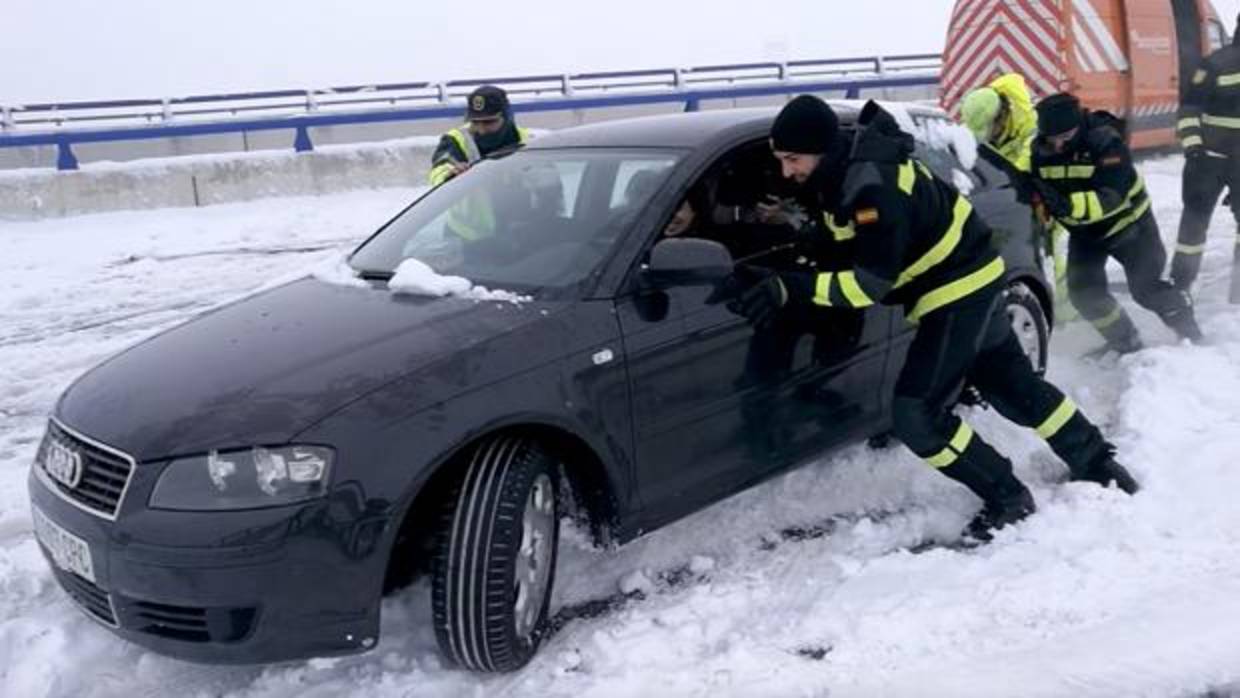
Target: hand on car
(1055,202)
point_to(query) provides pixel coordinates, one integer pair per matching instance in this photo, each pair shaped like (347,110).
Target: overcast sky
(99,49)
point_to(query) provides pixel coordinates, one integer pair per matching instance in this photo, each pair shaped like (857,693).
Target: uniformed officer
(1097,194)
(917,243)
(489,126)
(1209,131)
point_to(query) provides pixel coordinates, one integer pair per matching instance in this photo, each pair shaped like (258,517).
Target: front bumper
(236,587)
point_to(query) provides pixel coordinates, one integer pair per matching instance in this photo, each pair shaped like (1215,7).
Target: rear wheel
(495,562)
(1029,323)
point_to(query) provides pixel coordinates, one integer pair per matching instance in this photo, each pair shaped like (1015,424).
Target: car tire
(495,562)
(1029,323)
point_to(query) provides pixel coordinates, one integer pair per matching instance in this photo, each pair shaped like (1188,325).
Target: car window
(637,179)
(529,220)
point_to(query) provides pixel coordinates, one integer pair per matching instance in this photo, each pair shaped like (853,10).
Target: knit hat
(979,109)
(1058,114)
(805,125)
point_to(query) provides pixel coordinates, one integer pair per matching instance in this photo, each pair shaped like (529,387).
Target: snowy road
(1096,595)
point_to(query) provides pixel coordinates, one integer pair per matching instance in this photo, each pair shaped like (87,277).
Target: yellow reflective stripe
(1058,418)
(1109,319)
(1086,205)
(852,290)
(840,233)
(1189,249)
(822,288)
(957,289)
(1220,121)
(1188,122)
(1229,79)
(949,454)
(440,173)
(942,248)
(1129,219)
(523,135)
(1192,141)
(1067,172)
(907,176)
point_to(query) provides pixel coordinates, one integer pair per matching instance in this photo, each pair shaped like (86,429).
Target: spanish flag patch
(1112,161)
(866,216)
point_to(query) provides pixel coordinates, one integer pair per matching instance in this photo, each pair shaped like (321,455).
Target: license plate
(70,553)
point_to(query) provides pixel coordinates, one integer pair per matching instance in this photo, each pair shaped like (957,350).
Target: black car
(247,486)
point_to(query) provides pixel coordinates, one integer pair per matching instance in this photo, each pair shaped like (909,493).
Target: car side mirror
(686,262)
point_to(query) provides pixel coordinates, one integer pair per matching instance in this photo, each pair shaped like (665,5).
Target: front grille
(95,601)
(187,623)
(105,472)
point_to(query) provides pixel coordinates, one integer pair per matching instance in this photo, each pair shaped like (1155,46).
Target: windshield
(531,220)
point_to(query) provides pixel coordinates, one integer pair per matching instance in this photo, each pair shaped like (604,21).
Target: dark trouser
(972,340)
(1140,250)
(1205,177)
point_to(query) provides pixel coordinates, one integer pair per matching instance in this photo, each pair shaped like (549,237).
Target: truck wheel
(1028,319)
(495,563)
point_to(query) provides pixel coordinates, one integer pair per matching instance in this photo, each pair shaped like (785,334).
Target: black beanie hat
(1058,114)
(805,125)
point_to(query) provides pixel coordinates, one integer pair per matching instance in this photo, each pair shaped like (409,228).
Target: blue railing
(66,124)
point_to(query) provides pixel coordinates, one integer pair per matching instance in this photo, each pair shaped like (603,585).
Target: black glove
(763,295)
(1056,203)
(1022,184)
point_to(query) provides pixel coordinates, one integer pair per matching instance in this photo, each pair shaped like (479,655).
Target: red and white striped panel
(1093,46)
(990,37)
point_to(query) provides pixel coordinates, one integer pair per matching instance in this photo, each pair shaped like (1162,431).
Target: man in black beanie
(916,242)
(1209,131)
(1095,192)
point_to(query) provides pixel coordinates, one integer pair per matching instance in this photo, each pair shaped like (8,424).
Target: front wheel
(495,562)
(1029,323)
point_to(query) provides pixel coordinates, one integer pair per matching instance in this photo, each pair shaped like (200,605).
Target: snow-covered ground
(1097,595)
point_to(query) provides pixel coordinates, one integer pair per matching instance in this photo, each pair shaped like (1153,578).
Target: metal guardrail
(69,123)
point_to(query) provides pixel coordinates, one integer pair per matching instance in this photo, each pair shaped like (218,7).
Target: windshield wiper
(375,275)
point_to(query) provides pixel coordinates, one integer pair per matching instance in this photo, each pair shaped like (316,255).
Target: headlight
(244,479)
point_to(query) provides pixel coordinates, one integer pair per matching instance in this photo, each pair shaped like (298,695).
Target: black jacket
(915,240)
(1210,109)
(1096,175)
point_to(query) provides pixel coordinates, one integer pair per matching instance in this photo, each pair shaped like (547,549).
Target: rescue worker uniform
(1209,131)
(1007,100)
(473,217)
(1095,191)
(916,242)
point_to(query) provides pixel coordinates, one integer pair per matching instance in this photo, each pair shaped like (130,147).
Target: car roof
(691,129)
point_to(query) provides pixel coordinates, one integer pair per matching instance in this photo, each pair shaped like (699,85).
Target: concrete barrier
(211,179)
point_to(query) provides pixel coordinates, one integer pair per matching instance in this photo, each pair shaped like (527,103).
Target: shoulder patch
(1111,161)
(1199,76)
(867,216)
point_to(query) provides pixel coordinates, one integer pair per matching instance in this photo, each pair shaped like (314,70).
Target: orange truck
(1128,57)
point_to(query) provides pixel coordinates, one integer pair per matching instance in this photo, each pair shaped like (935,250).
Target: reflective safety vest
(953,257)
(472,217)
(1210,111)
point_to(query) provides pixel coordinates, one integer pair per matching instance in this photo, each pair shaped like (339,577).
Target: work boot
(1106,472)
(1007,508)
(1184,324)
(1127,345)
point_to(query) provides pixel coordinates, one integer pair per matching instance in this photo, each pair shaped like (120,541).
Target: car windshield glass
(534,219)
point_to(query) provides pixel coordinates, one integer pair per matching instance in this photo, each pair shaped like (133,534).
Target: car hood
(262,369)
